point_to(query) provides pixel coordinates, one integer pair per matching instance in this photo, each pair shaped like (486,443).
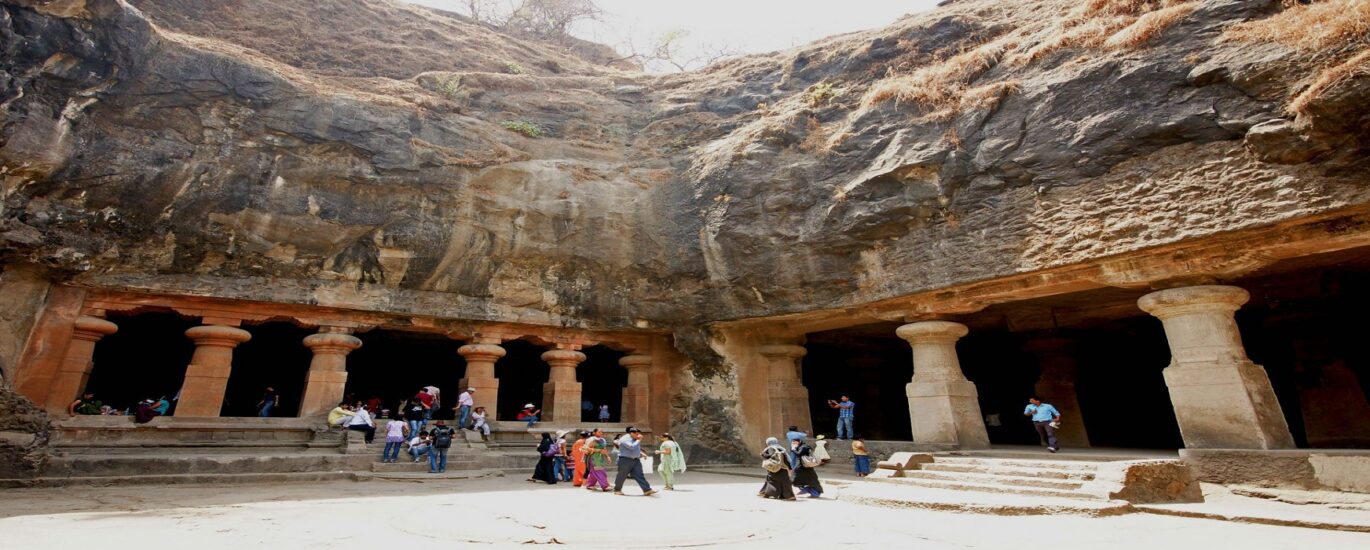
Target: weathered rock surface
(406,169)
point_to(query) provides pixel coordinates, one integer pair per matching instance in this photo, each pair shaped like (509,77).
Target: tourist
(846,414)
(775,460)
(792,433)
(603,413)
(479,424)
(529,414)
(373,404)
(672,460)
(860,456)
(414,414)
(630,462)
(437,400)
(820,450)
(395,430)
(425,400)
(361,422)
(464,405)
(547,450)
(340,414)
(559,461)
(1046,419)
(805,472)
(162,406)
(578,459)
(87,404)
(419,446)
(442,441)
(144,413)
(270,400)
(597,461)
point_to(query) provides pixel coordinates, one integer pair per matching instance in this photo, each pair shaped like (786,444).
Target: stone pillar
(1056,386)
(323,386)
(202,394)
(943,405)
(74,370)
(637,393)
(786,395)
(561,394)
(481,355)
(1222,400)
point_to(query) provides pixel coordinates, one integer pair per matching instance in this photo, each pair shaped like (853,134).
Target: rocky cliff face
(427,165)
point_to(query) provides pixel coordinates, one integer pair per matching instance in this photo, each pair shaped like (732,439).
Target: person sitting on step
(340,415)
(529,414)
(362,422)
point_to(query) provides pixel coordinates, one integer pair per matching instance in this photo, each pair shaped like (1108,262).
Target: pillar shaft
(944,407)
(74,370)
(202,394)
(786,395)
(637,393)
(561,394)
(1222,400)
(1056,386)
(480,373)
(323,388)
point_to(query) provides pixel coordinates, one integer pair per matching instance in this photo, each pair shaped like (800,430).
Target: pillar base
(946,412)
(1228,405)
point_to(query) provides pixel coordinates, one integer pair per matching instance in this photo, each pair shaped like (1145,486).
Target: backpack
(442,437)
(552,450)
(773,463)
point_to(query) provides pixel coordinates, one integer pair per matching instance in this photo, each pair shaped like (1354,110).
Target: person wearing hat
(630,462)
(464,405)
(820,450)
(529,414)
(672,460)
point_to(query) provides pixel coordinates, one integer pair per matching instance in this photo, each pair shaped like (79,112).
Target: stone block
(1146,482)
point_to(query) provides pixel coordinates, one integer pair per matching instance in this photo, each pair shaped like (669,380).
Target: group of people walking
(585,460)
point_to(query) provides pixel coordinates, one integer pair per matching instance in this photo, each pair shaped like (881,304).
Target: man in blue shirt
(846,414)
(630,462)
(1046,419)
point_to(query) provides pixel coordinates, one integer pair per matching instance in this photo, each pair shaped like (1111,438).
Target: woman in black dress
(777,482)
(546,451)
(806,477)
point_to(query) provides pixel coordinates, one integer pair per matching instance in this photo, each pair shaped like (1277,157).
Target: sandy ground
(707,509)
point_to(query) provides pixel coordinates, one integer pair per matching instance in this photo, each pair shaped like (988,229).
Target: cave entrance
(870,365)
(521,373)
(392,366)
(146,358)
(1306,325)
(275,356)
(602,381)
(1094,355)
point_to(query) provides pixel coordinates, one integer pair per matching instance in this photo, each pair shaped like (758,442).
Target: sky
(745,26)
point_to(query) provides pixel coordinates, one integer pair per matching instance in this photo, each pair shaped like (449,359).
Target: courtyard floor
(707,509)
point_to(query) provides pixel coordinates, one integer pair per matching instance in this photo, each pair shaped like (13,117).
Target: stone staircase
(1045,478)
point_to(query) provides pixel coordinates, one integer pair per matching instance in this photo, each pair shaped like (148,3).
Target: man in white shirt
(362,422)
(464,405)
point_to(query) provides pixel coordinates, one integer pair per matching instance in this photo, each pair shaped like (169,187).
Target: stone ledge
(1335,469)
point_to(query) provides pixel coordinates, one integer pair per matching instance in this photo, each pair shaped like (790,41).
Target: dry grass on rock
(1335,32)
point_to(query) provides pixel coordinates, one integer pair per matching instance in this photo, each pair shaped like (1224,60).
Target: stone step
(995,479)
(958,501)
(1015,471)
(991,488)
(174,479)
(1067,465)
(154,464)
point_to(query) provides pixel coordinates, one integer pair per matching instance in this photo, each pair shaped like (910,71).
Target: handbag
(808,461)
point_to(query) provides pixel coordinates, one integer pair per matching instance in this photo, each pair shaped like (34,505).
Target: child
(820,451)
(862,457)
